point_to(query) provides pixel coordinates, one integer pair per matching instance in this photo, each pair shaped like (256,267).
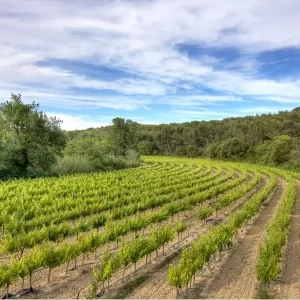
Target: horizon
(178,123)
(155,62)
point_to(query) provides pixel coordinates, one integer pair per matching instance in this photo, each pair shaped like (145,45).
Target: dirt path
(289,286)
(235,276)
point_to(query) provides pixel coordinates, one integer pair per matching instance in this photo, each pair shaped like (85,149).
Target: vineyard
(170,228)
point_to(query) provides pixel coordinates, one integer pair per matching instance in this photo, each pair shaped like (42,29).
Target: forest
(34,145)
(267,139)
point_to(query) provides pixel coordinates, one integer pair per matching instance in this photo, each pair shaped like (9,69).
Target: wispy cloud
(172,53)
(71,122)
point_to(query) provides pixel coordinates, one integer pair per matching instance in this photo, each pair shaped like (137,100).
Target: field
(173,227)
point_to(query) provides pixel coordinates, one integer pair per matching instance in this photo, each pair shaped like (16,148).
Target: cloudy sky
(155,61)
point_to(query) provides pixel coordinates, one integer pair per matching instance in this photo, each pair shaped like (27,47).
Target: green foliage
(232,148)
(205,212)
(180,227)
(145,147)
(87,164)
(194,258)
(268,266)
(174,276)
(30,140)
(213,150)
(132,155)
(73,165)
(7,275)
(273,152)
(281,149)
(92,147)
(31,144)
(192,151)
(47,206)
(122,135)
(112,152)
(226,139)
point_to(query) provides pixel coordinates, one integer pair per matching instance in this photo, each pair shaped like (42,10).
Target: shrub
(72,165)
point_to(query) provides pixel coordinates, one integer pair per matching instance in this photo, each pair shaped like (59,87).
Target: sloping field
(171,228)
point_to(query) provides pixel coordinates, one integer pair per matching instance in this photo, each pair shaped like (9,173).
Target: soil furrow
(235,276)
(154,282)
(289,285)
(68,285)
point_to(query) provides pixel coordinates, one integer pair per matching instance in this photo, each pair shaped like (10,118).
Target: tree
(145,147)
(213,150)
(192,151)
(295,153)
(93,147)
(234,148)
(281,149)
(123,135)
(31,140)
(274,152)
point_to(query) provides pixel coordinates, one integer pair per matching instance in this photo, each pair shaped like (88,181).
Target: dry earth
(235,276)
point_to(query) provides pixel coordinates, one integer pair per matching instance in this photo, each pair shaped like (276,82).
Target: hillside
(251,138)
(174,227)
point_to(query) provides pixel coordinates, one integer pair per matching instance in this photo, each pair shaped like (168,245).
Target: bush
(232,148)
(275,152)
(145,147)
(180,150)
(281,149)
(72,165)
(109,163)
(132,155)
(192,151)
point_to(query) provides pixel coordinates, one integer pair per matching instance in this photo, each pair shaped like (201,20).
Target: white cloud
(202,113)
(76,122)
(141,37)
(199,100)
(262,110)
(208,114)
(72,122)
(75,101)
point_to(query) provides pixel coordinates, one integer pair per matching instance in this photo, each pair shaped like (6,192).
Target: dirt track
(235,277)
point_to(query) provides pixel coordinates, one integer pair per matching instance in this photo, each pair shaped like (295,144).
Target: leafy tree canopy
(30,140)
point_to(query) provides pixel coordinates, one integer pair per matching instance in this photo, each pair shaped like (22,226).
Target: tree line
(33,145)
(268,139)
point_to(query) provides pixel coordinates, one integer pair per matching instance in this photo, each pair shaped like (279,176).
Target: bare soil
(235,275)
(77,281)
(154,280)
(288,284)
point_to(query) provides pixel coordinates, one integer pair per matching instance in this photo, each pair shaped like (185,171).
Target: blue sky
(154,61)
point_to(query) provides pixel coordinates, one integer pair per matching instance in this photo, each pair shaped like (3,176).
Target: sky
(155,61)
